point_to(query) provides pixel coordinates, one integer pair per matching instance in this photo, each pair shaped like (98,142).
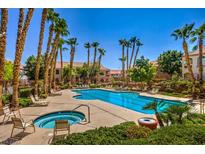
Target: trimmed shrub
(6,99)
(178,135)
(65,86)
(140,141)
(102,135)
(137,132)
(24,102)
(25,92)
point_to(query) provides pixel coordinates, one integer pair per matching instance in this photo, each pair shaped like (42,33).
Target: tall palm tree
(102,53)
(133,43)
(95,46)
(51,17)
(23,26)
(199,35)
(61,48)
(73,43)
(41,36)
(88,46)
(3,32)
(184,33)
(61,29)
(138,44)
(128,45)
(123,44)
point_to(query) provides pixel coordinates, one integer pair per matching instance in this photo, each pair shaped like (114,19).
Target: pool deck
(102,114)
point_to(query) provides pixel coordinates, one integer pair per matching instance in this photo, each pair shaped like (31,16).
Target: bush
(102,135)
(178,135)
(94,86)
(64,86)
(25,92)
(140,141)
(137,132)
(24,102)
(6,99)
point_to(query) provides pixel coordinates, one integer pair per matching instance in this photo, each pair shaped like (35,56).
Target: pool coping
(55,112)
(146,94)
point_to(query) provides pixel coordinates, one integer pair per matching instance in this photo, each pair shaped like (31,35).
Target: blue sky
(107,26)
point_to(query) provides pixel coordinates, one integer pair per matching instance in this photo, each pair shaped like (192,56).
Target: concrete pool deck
(102,114)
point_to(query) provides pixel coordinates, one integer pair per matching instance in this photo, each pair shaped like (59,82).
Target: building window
(57,71)
(185,62)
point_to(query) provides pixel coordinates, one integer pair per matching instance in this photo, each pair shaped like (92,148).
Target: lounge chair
(7,113)
(20,124)
(60,126)
(38,103)
(53,93)
(154,91)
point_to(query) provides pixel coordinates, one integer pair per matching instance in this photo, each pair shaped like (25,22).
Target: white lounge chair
(38,103)
(53,93)
(20,124)
(154,91)
(7,113)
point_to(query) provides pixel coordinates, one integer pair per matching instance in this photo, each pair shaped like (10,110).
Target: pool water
(48,120)
(129,100)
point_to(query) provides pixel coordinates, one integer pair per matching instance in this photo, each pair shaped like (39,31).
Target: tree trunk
(54,70)
(88,57)
(48,59)
(71,64)
(93,67)
(133,50)
(136,56)
(61,56)
(54,48)
(3,32)
(200,60)
(21,36)
(161,124)
(88,62)
(127,58)
(123,63)
(41,36)
(186,51)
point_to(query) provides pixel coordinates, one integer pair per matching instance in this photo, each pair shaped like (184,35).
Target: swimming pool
(129,100)
(48,120)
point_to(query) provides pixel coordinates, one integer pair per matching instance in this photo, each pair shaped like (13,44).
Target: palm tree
(128,45)
(95,46)
(155,105)
(61,29)
(88,46)
(184,33)
(199,35)
(138,44)
(41,36)
(102,53)
(73,43)
(3,32)
(133,43)
(123,44)
(60,47)
(23,26)
(51,17)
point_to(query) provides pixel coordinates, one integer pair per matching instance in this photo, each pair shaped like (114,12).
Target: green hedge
(102,135)
(170,135)
(25,92)
(178,135)
(24,102)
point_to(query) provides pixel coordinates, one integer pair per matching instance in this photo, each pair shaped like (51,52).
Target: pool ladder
(88,107)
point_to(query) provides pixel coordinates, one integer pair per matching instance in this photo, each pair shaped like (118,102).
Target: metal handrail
(88,107)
